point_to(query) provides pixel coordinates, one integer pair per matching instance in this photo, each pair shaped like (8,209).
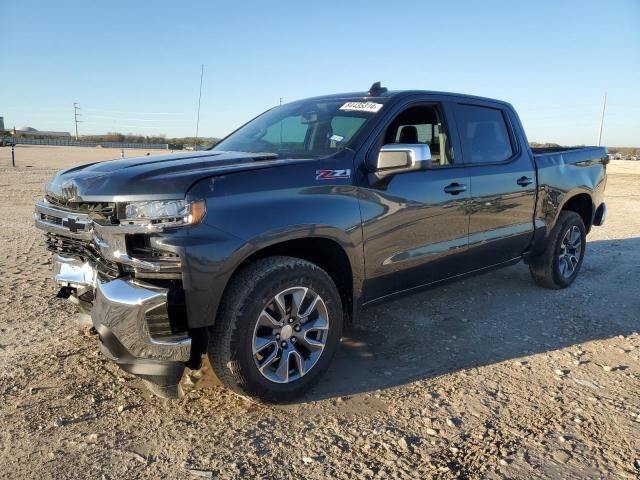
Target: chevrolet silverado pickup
(259,251)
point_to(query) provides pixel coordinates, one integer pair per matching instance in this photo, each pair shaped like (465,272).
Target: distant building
(30,131)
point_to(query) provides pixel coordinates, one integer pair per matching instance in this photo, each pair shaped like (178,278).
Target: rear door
(503,183)
(415,223)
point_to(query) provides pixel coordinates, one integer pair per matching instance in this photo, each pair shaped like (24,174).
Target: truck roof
(384,93)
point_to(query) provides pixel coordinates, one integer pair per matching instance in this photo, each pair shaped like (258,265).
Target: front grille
(104,209)
(85,251)
(50,219)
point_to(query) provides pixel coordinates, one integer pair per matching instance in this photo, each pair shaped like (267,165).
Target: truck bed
(546,156)
(551,149)
(569,172)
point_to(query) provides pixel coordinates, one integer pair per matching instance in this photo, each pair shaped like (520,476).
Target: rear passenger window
(484,134)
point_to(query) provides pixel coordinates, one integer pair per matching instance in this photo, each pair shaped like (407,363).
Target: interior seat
(408,134)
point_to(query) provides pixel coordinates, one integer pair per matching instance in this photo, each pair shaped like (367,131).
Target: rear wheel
(560,263)
(278,329)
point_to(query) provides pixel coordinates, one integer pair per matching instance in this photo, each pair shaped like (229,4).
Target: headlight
(169,212)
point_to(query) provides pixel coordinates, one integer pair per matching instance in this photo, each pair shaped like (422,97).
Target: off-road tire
(545,268)
(248,292)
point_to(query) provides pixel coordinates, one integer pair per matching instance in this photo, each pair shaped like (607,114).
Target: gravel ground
(32,156)
(492,377)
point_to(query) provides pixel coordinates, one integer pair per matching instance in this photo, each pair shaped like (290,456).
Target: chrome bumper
(71,272)
(121,307)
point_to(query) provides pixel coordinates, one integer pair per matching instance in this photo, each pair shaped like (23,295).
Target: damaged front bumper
(137,315)
(132,323)
(131,316)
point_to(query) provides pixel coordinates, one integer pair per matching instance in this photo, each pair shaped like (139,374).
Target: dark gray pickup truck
(261,250)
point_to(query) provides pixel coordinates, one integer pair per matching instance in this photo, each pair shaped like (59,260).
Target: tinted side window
(484,134)
(421,124)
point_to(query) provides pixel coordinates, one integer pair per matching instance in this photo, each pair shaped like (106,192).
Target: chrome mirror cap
(403,156)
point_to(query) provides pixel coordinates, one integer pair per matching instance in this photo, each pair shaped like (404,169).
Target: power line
(127,119)
(132,113)
(76,108)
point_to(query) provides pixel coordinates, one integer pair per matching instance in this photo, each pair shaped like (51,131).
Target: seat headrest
(408,134)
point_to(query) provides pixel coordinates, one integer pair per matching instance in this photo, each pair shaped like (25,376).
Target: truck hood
(157,177)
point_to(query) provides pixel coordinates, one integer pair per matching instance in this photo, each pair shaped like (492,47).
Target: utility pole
(199,99)
(76,114)
(280,100)
(604,104)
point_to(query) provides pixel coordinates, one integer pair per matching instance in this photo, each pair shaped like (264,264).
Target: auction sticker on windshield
(361,107)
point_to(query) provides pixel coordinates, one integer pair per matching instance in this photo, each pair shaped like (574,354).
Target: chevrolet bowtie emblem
(72,224)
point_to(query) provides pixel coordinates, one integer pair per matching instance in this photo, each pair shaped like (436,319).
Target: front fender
(241,221)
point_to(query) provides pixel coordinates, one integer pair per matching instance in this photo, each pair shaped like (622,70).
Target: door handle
(455,188)
(524,181)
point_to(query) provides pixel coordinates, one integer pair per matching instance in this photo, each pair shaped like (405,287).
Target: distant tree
(176,142)
(625,151)
(543,145)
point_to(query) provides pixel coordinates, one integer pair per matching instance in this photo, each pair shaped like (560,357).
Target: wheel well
(583,206)
(325,253)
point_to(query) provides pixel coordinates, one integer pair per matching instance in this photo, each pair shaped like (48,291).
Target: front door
(415,224)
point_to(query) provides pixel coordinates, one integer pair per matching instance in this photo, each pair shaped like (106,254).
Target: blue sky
(135,66)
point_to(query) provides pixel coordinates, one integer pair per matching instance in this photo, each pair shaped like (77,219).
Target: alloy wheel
(570,249)
(290,334)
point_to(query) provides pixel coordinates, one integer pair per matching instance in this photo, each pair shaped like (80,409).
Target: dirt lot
(492,377)
(55,158)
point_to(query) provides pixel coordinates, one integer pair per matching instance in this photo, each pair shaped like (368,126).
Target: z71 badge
(333,174)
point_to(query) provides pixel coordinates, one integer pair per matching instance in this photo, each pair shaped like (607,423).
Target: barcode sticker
(371,107)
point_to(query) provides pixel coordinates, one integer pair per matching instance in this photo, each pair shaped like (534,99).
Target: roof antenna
(376,89)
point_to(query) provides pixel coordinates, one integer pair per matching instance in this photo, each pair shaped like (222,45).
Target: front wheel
(279,326)
(560,263)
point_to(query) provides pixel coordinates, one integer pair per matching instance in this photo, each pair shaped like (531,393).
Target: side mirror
(402,157)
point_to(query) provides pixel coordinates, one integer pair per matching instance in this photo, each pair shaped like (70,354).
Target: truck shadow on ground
(487,319)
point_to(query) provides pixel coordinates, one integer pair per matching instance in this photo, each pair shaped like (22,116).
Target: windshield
(309,128)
